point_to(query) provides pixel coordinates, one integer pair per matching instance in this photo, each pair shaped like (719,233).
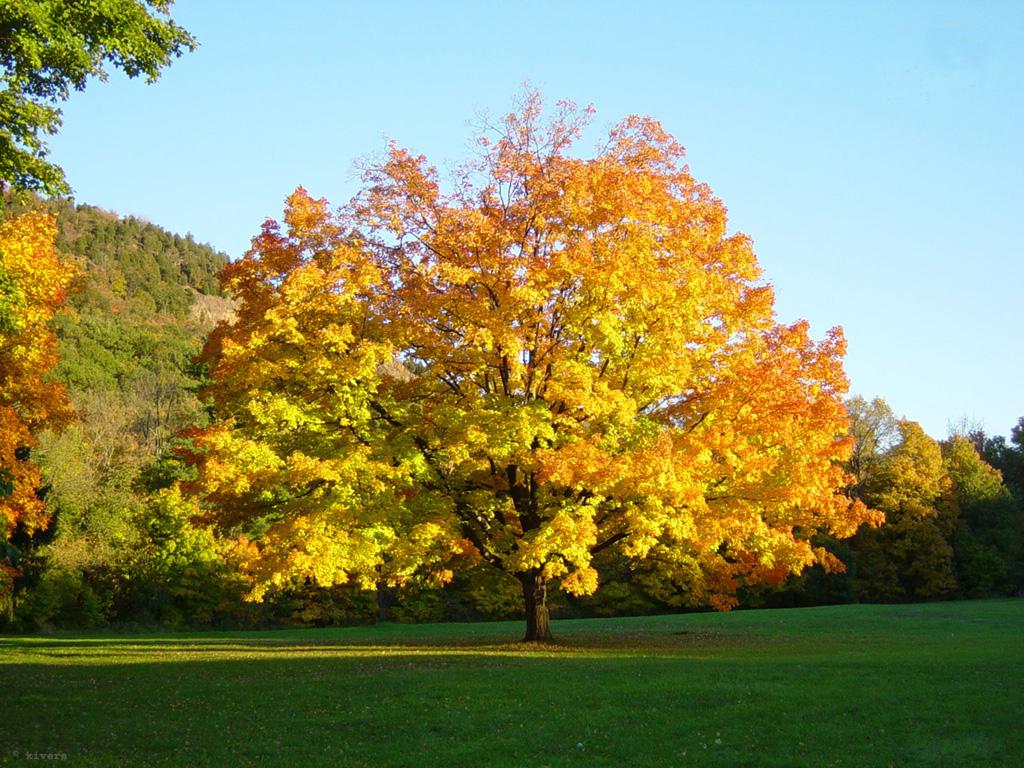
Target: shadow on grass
(199,648)
(862,630)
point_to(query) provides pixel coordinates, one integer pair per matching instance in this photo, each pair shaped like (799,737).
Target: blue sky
(873,151)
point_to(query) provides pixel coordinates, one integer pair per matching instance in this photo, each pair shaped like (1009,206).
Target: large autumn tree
(550,357)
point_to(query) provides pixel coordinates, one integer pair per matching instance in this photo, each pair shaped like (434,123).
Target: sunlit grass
(939,684)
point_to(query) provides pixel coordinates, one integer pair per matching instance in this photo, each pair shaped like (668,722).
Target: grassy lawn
(924,685)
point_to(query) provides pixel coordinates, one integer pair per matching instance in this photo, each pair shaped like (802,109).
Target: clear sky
(874,151)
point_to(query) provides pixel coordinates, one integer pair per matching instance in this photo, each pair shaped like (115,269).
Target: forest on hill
(136,315)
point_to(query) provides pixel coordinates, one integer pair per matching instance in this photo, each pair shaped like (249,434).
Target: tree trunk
(385,599)
(535,598)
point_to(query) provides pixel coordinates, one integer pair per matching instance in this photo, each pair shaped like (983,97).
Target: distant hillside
(130,263)
(143,304)
(134,322)
(208,310)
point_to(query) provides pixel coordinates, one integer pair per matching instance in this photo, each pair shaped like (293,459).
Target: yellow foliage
(586,359)
(33,286)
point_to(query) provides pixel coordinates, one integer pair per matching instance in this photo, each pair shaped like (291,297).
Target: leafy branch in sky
(49,48)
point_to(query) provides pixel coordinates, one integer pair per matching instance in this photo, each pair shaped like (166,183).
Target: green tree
(48,48)
(989,541)
(874,429)
(128,368)
(909,557)
(1008,458)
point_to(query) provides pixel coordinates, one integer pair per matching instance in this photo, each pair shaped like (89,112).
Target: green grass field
(924,685)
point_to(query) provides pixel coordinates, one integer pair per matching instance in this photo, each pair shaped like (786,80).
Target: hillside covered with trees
(137,310)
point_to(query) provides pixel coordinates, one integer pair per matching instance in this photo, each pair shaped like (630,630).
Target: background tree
(33,284)
(989,542)
(874,429)
(988,539)
(910,557)
(597,367)
(1008,458)
(48,48)
(953,529)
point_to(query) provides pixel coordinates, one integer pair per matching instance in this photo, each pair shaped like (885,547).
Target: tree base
(535,599)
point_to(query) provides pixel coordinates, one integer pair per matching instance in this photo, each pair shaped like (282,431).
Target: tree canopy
(33,285)
(48,48)
(554,357)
